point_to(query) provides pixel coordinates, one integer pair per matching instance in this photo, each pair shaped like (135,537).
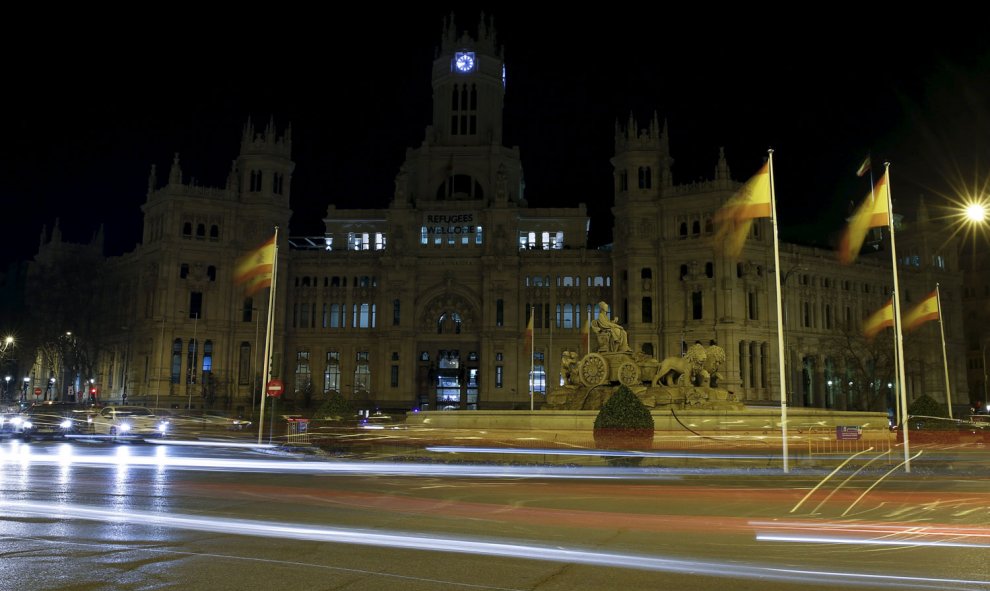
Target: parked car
(49,419)
(129,422)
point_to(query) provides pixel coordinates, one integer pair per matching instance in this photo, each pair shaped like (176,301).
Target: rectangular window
(498,376)
(647,311)
(752,306)
(302,371)
(499,312)
(538,377)
(244,364)
(395,312)
(477,235)
(697,311)
(331,372)
(362,373)
(196,305)
(395,376)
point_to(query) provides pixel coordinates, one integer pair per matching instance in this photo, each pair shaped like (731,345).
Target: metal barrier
(827,443)
(297,431)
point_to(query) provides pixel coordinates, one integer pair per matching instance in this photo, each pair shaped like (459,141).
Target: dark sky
(89,119)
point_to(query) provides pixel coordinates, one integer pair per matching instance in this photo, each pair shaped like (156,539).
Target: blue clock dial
(464,61)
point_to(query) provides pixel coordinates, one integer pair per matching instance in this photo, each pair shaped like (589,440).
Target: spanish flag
(874,212)
(923,312)
(253,271)
(864,167)
(734,219)
(880,320)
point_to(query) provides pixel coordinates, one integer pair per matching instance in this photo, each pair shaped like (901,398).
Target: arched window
(709,270)
(696,228)
(211,272)
(183,270)
(683,230)
(214,232)
(449,323)
(200,231)
(187,229)
(460,187)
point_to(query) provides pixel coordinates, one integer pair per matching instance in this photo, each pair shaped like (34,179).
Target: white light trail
(526,551)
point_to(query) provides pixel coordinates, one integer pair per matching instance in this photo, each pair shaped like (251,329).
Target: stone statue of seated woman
(612,337)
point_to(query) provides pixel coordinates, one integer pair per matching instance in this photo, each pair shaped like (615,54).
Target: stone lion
(688,370)
(715,357)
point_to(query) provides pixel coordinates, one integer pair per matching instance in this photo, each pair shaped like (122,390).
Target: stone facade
(424,303)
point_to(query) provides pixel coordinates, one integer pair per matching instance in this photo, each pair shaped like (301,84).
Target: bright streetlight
(976,212)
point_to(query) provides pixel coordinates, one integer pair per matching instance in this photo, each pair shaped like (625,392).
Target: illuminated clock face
(464,61)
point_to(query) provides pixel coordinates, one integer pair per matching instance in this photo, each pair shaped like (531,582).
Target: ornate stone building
(423,304)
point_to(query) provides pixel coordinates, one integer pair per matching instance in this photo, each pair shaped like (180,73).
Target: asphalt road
(94,515)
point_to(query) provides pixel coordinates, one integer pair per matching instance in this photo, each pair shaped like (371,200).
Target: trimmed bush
(335,406)
(926,406)
(624,422)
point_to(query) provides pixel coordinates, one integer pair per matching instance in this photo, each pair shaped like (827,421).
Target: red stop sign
(275,388)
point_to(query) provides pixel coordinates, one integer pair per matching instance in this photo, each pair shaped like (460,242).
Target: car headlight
(17,421)
(26,424)
(66,424)
(124,427)
(163,427)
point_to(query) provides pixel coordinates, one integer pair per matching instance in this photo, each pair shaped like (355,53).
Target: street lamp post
(986,399)
(161,364)
(24,390)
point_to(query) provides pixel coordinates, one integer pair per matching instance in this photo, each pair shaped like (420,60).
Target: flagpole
(532,355)
(780,318)
(945,359)
(897,399)
(269,326)
(898,332)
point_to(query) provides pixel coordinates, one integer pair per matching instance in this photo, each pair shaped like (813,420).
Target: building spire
(175,174)
(722,169)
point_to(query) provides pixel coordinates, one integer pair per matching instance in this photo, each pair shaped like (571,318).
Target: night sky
(84,129)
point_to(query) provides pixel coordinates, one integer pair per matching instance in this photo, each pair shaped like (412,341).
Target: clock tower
(468,87)
(462,157)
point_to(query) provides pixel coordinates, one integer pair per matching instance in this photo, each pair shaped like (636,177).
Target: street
(91,515)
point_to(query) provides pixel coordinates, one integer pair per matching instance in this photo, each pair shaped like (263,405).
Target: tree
(335,406)
(868,364)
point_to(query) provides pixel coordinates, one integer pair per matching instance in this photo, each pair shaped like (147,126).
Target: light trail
(23,455)
(593,452)
(463,545)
